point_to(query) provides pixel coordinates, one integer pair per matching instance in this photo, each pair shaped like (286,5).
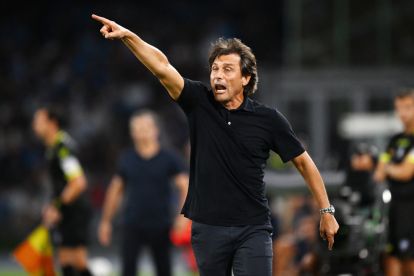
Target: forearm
(183,195)
(147,54)
(73,189)
(109,210)
(398,172)
(112,200)
(328,225)
(379,174)
(313,179)
(182,185)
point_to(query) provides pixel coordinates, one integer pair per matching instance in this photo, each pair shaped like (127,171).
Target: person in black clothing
(143,178)
(359,173)
(396,165)
(69,211)
(231,136)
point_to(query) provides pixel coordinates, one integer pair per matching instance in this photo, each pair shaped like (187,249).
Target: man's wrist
(127,35)
(388,170)
(327,210)
(105,221)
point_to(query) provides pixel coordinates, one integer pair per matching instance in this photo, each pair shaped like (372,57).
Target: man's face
(226,78)
(41,123)
(362,162)
(144,129)
(405,110)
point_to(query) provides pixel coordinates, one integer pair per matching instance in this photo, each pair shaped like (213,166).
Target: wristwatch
(329,210)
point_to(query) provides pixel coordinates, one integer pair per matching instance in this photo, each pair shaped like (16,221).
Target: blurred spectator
(359,187)
(396,166)
(68,212)
(294,251)
(143,180)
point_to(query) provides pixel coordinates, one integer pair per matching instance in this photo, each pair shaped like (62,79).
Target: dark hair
(364,148)
(54,113)
(248,64)
(146,112)
(405,93)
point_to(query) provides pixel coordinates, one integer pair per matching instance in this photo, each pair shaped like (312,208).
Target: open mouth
(220,88)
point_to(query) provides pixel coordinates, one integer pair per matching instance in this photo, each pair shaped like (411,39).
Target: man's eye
(228,69)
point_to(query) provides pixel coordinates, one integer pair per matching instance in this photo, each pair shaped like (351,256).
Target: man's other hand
(328,228)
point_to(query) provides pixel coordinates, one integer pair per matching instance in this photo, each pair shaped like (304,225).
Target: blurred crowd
(51,52)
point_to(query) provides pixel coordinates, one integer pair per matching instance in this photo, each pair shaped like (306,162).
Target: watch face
(329,209)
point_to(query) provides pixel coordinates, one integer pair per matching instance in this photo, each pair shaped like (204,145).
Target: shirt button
(229,123)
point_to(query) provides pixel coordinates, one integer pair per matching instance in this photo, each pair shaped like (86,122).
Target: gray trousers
(241,250)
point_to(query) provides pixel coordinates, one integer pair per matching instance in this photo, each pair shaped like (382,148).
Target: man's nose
(218,75)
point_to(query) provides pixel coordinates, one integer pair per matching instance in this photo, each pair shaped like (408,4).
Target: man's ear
(245,80)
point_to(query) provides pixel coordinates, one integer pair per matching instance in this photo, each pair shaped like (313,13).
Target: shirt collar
(247,105)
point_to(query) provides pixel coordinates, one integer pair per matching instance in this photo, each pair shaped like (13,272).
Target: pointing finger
(330,242)
(101,19)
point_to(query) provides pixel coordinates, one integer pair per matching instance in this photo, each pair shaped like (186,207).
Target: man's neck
(409,128)
(234,102)
(147,149)
(50,138)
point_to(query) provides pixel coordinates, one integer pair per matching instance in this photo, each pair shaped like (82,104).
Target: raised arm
(328,226)
(147,54)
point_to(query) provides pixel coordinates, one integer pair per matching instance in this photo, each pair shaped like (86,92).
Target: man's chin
(222,98)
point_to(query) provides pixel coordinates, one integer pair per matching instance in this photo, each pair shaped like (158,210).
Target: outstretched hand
(110,29)
(328,228)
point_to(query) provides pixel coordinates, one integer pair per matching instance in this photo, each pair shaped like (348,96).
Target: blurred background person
(68,213)
(143,181)
(396,166)
(360,209)
(295,248)
(359,187)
